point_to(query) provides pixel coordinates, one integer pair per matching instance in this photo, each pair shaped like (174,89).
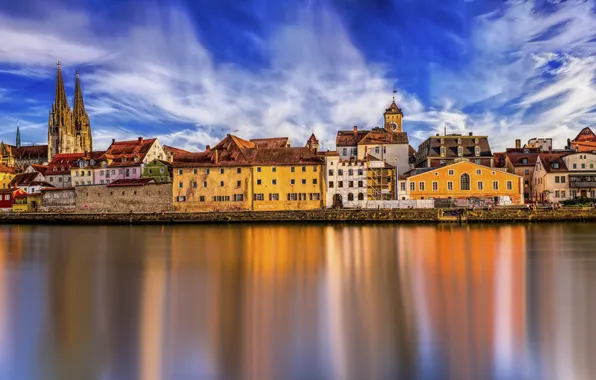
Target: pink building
(117,171)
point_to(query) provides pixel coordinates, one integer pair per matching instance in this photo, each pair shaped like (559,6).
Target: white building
(561,176)
(346,182)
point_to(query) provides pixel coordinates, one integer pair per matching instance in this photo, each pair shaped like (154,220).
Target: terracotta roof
(282,156)
(382,136)
(499,159)
(131,182)
(411,150)
(128,149)
(585,135)
(394,108)
(350,138)
(273,142)
(522,159)
(7,169)
(28,151)
(24,179)
(549,160)
(40,168)
(120,164)
(174,151)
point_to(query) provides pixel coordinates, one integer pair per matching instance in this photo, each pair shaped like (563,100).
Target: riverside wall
(513,215)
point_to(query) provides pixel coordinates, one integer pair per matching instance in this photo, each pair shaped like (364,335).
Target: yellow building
(465,180)
(26,202)
(238,175)
(6,175)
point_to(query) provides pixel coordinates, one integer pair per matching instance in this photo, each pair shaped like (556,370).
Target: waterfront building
(563,176)
(159,170)
(58,171)
(28,202)
(83,171)
(69,131)
(585,141)
(7,173)
(7,197)
(440,150)
(124,196)
(57,200)
(346,182)
(389,144)
(238,174)
(30,182)
(465,180)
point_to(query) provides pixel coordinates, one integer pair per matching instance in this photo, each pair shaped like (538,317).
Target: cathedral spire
(60,100)
(18,142)
(79,105)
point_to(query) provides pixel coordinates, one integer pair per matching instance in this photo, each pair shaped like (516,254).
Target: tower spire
(18,142)
(80,119)
(79,104)
(60,100)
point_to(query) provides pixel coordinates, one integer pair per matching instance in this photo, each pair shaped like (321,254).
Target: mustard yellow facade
(212,188)
(5,177)
(465,180)
(27,203)
(288,187)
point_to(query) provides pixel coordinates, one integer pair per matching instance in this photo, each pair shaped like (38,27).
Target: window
(495,185)
(221,171)
(258,181)
(360,183)
(573,194)
(292,196)
(330,171)
(340,184)
(575,166)
(435,186)
(403,186)
(384,149)
(304,169)
(194,171)
(315,196)
(292,182)
(591,166)
(344,151)
(274,169)
(179,171)
(442,151)
(331,184)
(478,172)
(134,171)
(314,181)
(477,151)
(412,186)
(360,196)
(304,181)
(204,183)
(421,186)
(202,198)
(274,182)
(99,181)
(221,183)
(460,151)
(340,172)
(562,193)
(509,185)
(259,197)
(238,197)
(350,171)
(464,182)
(451,172)
(583,166)
(556,179)
(480,185)
(350,197)
(377,150)
(221,198)
(360,172)
(449,185)
(527,172)
(258,169)
(194,185)
(563,179)
(180,185)
(238,183)
(557,194)
(181,198)
(238,170)
(350,183)
(207,171)
(120,171)
(274,197)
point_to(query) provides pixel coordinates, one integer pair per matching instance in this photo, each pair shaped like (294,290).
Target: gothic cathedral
(68,131)
(393,116)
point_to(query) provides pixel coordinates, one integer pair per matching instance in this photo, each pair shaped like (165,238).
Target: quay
(499,215)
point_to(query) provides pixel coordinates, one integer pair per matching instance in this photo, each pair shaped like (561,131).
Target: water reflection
(292,302)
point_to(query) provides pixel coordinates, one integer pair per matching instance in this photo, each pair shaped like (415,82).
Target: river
(298,302)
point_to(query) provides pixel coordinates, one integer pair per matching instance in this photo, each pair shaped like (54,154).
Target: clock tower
(393,118)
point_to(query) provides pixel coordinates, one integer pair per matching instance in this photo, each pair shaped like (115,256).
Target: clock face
(393,126)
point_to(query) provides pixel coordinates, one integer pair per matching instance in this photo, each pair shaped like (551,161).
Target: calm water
(292,302)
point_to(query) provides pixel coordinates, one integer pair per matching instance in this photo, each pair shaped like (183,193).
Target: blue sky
(190,71)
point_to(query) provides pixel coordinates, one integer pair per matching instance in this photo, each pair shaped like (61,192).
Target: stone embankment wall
(123,199)
(322,216)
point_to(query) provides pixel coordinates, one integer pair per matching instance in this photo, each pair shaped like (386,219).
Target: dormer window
(442,141)
(477,151)
(459,140)
(123,159)
(524,161)
(555,165)
(476,140)
(460,151)
(136,159)
(442,151)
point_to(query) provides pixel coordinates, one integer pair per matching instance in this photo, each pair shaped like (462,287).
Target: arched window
(360,196)
(350,197)
(465,182)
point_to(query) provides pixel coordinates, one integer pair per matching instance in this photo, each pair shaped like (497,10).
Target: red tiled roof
(522,159)
(548,159)
(24,179)
(282,156)
(350,138)
(382,136)
(131,182)
(128,149)
(175,151)
(499,159)
(273,142)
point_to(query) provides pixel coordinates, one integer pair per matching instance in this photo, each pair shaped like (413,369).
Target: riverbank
(505,215)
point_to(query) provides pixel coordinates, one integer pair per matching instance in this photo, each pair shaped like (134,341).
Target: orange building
(465,180)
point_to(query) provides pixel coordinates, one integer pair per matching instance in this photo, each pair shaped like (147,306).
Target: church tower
(18,142)
(393,117)
(60,136)
(80,120)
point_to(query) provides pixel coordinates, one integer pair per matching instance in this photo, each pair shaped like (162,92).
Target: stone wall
(58,200)
(123,199)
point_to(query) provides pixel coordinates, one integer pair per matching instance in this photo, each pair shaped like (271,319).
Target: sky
(192,71)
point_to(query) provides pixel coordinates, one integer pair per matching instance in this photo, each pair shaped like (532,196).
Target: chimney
(568,143)
(207,148)
(517,143)
(355,131)
(140,141)
(470,134)
(113,141)
(437,135)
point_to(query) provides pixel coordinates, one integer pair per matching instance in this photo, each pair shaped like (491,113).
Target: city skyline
(190,74)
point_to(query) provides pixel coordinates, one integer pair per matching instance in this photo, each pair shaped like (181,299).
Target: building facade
(159,170)
(559,176)
(347,182)
(585,141)
(466,180)
(69,131)
(31,182)
(7,173)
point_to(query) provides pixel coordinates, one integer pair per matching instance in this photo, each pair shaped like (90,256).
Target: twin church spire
(68,131)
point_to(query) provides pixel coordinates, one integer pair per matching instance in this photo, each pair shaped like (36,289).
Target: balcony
(582,181)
